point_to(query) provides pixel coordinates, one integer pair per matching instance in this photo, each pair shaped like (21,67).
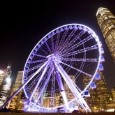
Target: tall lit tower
(106,21)
(5,84)
(1,77)
(17,102)
(113,94)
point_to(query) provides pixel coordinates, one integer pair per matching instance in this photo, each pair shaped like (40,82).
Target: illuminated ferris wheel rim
(60,29)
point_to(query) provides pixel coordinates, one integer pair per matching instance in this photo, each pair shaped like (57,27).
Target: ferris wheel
(55,69)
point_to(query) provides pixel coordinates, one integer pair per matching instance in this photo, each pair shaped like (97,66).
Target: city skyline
(24,25)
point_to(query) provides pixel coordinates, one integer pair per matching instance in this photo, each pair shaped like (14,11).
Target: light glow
(1,72)
(8,80)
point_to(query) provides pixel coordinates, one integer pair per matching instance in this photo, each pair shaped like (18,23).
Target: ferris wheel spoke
(52,44)
(35,67)
(43,51)
(59,81)
(80,34)
(40,78)
(48,47)
(62,44)
(31,84)
(75,69)
(38,55)
(81,51)
(81,59)
(61,87)
(68,45)
(34,74)
(38,61)
(73,47)
(45,83)
(57,42)
(63,38)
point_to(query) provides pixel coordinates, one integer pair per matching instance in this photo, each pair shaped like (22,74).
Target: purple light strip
(43,51)
(41,77)
(48,47)
(52,44)
(62,45)
(72,47)
(59,81)
(75,68)
(81,59)
(32,76)
(39,55)
(45,83)
(81,50)
(57,42)
(42,60)
(62,90)
(35,67)
(62,39)
(72,41)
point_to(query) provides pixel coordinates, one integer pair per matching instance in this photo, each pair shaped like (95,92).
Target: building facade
(113,94)
(5,85)
(99,97)
(106,22)
(17,102)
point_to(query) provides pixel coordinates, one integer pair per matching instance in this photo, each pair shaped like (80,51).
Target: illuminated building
(100,96)
(1,77)
(5,84)
(17,102)
(48,99)
(106,22)
(113,94)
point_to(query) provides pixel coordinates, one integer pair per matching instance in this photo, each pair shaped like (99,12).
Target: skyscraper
(17,102)
(100,96)
(5,85)
(1,77)
(113,94)
(106,21)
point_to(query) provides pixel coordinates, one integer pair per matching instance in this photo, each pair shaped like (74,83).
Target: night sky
(22,25)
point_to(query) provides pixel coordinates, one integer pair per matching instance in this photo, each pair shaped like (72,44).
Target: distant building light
(110,110)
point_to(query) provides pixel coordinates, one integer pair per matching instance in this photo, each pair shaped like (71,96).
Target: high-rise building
(100,96)
(106,22)
(17,102)
(5,85)
(113,94)
(1,77)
